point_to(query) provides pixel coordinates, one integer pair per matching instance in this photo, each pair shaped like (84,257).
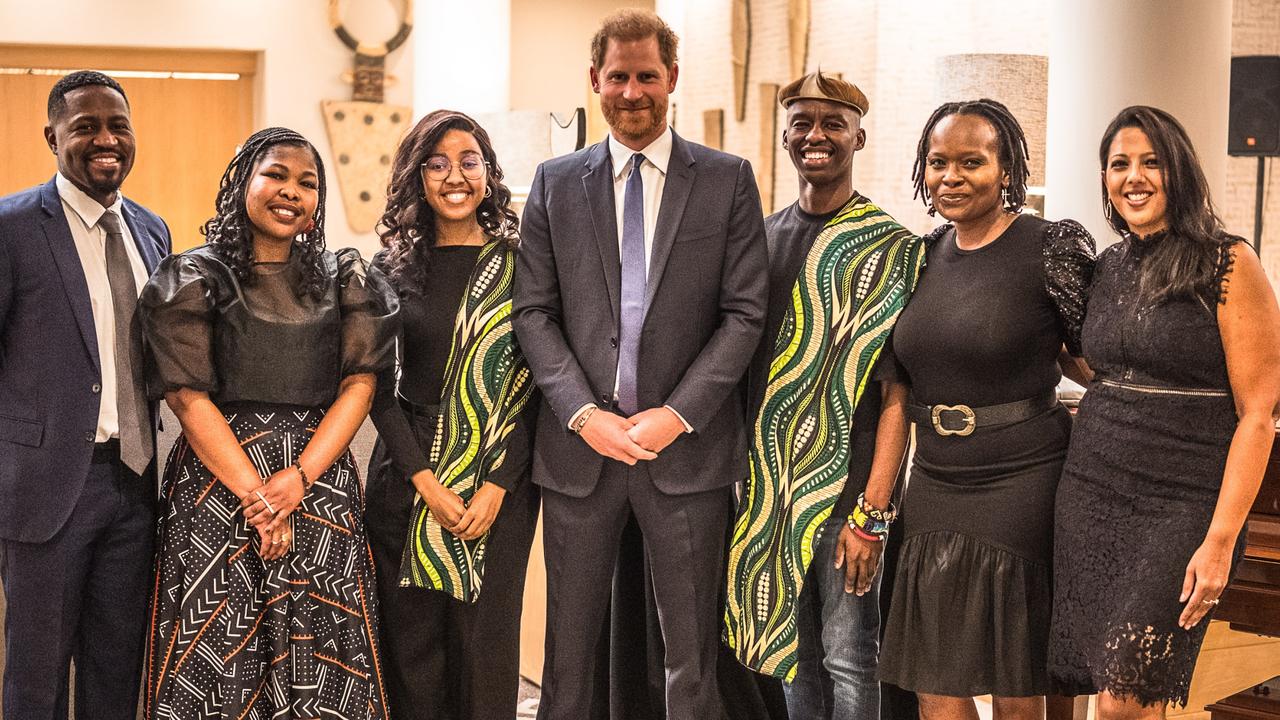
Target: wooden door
(190,108)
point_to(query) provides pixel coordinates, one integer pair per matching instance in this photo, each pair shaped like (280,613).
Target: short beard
(628,127)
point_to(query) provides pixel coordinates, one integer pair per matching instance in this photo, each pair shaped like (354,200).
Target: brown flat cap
(816,86)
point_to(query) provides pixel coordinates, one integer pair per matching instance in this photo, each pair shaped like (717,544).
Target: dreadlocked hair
(231,232)
(408,225)
(1010,141)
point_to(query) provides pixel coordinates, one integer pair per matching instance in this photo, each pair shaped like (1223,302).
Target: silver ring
(1214,601)
(264,501)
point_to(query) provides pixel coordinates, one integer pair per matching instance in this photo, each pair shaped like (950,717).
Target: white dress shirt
(82,214)
(653,173)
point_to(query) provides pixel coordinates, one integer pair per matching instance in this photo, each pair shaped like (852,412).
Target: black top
(1128,341)
(790,233)
(428,315)
(260,341)
(985,326)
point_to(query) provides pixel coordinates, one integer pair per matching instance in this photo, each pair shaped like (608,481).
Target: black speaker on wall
(1254,124)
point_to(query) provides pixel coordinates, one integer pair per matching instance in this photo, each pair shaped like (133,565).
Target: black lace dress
(972,592)
(1138,491)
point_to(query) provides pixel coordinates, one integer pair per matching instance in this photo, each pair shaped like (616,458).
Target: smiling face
(93,139)
(1135,182)
(962,169)
(821,138)
(282,193)
(455,197)
(634,88)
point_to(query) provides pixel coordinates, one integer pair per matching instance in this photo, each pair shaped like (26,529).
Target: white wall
(302,59)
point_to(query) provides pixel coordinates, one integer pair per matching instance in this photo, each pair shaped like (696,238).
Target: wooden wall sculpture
(364,131)
(769,140)
(798,27)
(713,128)
(740,29)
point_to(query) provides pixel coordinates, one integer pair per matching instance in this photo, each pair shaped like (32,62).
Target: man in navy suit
(639,298)
(77,434)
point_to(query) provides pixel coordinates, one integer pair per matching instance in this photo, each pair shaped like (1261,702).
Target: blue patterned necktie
(634,274)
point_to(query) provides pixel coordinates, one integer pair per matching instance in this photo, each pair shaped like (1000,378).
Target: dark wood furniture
(1251,603)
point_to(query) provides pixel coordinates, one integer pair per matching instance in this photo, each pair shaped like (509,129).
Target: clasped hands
(630,439)
(467,521)
(267,509)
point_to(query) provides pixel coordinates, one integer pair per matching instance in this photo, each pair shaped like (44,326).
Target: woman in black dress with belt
(265,345)
(979,344)
(1172,437)
(451,510)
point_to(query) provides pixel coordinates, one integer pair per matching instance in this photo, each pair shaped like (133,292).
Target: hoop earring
(488,191)
(931,209)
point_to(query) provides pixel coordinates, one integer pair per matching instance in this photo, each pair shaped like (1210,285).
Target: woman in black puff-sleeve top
(266,346)
(1003,293)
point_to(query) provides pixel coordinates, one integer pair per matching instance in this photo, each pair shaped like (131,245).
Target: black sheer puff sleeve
(175,311)
(369,308)
(1069,255)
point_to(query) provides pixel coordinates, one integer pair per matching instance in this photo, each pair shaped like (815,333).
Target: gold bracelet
(581,422)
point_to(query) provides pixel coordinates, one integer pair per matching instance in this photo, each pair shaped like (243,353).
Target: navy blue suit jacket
(49,370)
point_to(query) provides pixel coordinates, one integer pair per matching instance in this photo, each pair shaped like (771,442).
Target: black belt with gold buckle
(962,420)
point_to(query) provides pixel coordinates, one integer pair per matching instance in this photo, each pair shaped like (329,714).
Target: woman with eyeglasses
(451,511)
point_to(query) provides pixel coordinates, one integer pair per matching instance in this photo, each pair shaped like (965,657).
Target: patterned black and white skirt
(234,637)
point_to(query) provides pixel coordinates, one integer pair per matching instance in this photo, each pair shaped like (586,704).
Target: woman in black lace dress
(266,346)
(1172,437)
(979,344)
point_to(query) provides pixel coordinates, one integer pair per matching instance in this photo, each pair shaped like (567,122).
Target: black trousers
(443,659)
(684,543)
(82,597)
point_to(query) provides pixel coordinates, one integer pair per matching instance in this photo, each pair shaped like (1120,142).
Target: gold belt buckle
(970,420)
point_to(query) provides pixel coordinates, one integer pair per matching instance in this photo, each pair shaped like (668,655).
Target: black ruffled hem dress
(973,589)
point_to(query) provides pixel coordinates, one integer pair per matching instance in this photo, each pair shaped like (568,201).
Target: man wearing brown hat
(829,430)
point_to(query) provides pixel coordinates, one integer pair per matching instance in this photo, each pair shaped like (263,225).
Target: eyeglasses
(438,167)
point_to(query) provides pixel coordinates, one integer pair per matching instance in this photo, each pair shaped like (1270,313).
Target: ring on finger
(264,501)
(1214,601)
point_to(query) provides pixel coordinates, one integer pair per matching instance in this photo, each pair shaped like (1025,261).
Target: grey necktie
(136,442)
(634,274)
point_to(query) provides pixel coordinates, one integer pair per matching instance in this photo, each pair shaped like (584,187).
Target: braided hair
(231,232)
(1010,141)
(408,225)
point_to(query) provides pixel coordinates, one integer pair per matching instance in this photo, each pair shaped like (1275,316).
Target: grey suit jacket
(707,294)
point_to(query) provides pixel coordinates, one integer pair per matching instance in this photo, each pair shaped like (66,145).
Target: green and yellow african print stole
(486,385)
(855,281)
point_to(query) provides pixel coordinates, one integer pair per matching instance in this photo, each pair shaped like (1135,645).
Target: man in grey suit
(639,298)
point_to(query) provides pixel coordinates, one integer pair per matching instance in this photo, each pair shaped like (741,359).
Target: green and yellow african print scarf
(855,281)
(486,385)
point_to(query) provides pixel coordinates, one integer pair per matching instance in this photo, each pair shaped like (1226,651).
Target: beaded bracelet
(306,482)
(888,515)
(866,536)
(863,524)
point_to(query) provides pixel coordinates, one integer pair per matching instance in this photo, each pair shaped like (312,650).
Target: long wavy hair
(1185,259)
(408,225)
(231,232)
